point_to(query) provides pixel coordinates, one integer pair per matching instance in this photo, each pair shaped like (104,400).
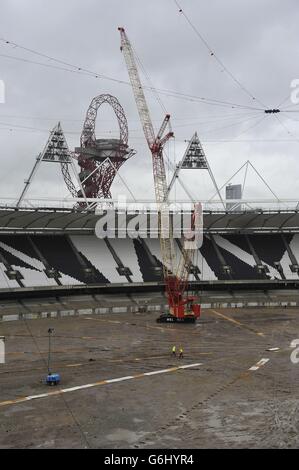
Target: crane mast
(175,278)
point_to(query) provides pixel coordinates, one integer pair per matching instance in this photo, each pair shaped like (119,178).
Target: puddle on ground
(46,444)
(138,420)
(14,410)
(125,435)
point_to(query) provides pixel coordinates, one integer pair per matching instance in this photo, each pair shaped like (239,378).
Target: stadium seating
(45,260)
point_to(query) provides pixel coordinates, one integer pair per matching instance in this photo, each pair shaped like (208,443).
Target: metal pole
(79,181)
(176,176)
(50,331)
(215,184)
(228,181)
(122,179)
(264,181)
(29,180)
(244,181)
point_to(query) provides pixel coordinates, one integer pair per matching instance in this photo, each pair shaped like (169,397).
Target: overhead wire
(233,124)
(252,126)
(287,98)
(84,71)
(66,66)
(215,56)
(227,71)
(188,121)
(18,127)
(169,164)
(286,128)
(204,141)
(210,101)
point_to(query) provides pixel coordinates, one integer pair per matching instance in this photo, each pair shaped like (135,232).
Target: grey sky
(257,40)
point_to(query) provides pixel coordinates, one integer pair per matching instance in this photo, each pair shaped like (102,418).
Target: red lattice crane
(181,306)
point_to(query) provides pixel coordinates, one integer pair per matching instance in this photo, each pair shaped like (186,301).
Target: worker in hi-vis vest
(181,352)
(173,350)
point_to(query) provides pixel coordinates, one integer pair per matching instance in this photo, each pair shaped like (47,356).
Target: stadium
(153,321)
(102,298)
(247,258)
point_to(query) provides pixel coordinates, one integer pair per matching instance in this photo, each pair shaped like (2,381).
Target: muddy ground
(219,403)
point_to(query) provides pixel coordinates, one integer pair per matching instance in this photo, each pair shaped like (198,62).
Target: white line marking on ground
(162,371)
(238,323)
(190,365)
(96,384)
(80,387)
(259,364)
(32,397)
(120,379)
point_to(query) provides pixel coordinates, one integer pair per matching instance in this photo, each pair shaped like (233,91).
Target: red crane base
(185,311)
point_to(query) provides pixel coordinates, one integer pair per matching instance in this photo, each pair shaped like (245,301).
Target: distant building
(233,191)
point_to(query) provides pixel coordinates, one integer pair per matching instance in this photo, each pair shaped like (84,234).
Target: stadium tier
(43,260)
(59,247)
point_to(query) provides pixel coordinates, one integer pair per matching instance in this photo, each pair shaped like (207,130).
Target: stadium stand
(43,260)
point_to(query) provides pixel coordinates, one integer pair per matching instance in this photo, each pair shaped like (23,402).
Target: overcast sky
(256,40)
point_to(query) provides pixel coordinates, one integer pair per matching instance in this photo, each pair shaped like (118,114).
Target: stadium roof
(57,220)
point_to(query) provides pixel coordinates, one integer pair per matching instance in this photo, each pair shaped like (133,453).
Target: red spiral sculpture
(100,159)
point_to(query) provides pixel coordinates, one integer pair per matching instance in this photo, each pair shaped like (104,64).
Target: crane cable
(159,100)
(145,73)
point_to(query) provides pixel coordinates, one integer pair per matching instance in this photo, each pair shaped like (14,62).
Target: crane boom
(175,277)
(155,144)
(142,107)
